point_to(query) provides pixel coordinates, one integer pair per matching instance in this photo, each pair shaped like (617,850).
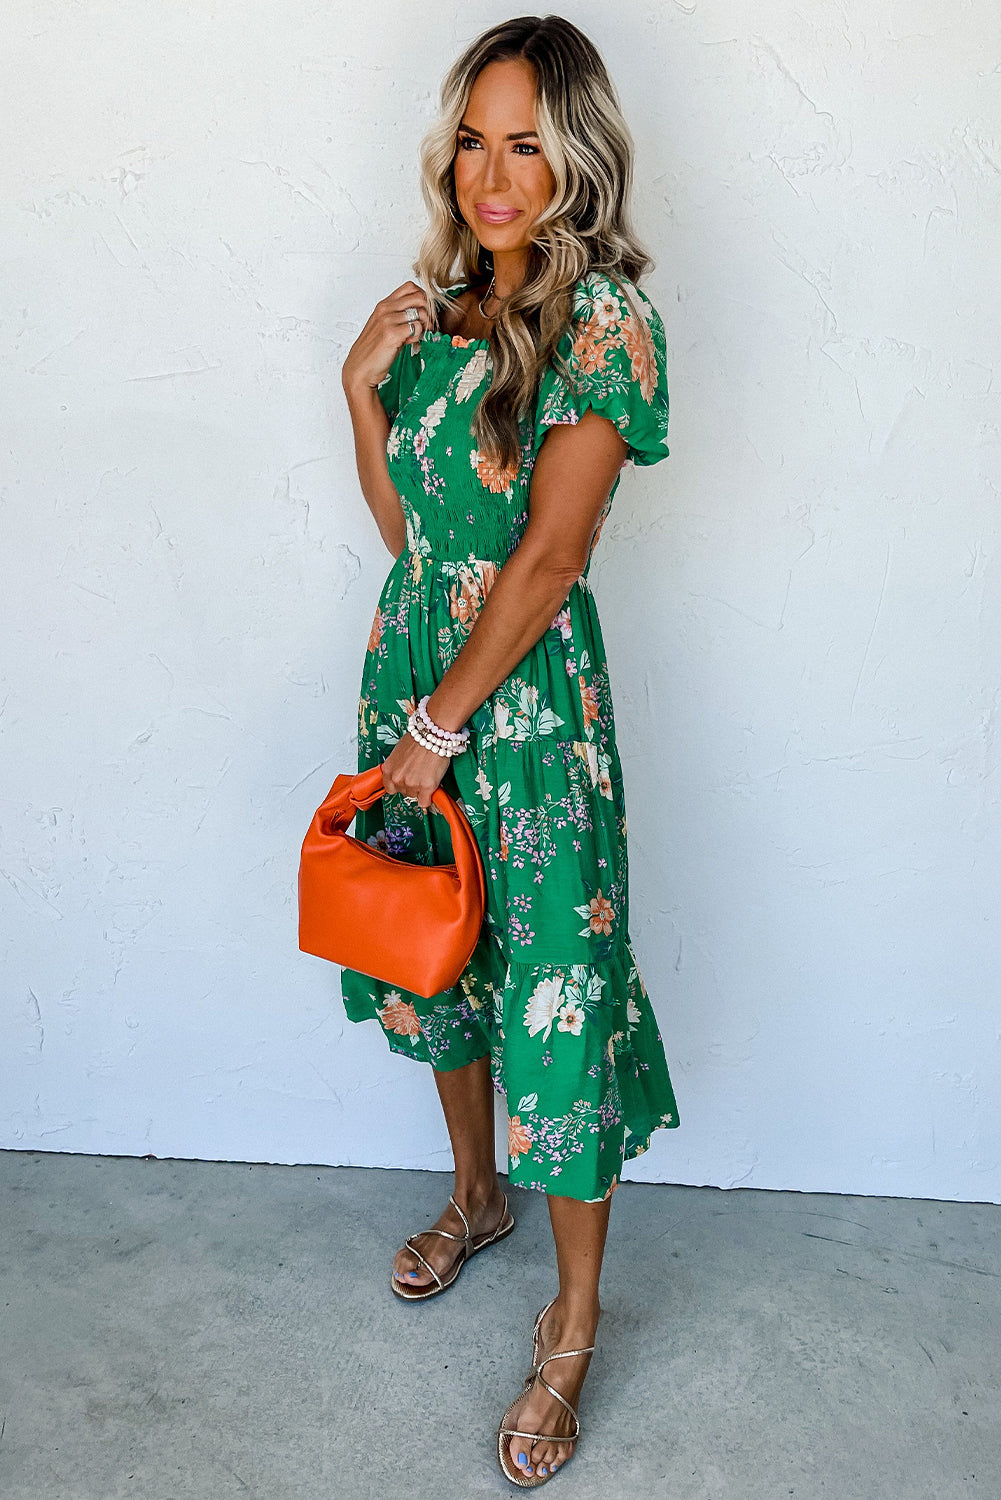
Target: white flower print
(434,414)
(393,443)
(483,784)
(632,1013)
(503,728)
(543,1004)
(588,750)
(606,309)
(571,1018)
(471,376)
(603,778)
(644,305)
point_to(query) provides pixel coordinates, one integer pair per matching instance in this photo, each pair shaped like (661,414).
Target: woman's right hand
(384,335)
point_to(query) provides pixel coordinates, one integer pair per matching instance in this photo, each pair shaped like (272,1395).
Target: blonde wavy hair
(586,227)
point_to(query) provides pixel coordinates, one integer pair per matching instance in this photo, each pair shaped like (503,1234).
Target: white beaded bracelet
(458,736)
(431,735)
(422,738)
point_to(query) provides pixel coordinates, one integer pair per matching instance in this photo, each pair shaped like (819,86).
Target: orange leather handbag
(404,923)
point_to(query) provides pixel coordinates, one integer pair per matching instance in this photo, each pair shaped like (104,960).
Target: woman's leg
(579,1230)
(467,1099)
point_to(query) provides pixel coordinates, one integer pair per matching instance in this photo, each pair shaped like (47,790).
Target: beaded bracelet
(455,736)
(426,732)
(418,735)
(423,738)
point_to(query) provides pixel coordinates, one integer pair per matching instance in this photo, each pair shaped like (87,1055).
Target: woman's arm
(573,474)
(368,361)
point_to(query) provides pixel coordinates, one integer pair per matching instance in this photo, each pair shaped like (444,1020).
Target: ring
(411,312)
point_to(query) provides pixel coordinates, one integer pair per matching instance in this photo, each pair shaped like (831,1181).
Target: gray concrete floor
(199,1331)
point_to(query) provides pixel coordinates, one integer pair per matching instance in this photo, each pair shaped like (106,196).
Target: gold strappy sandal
(421,1293)
(517,1476)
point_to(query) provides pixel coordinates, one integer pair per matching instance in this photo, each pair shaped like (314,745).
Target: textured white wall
(200,205)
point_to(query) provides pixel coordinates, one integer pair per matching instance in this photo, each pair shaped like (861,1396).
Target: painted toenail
(413,1274)
(522,1459)
(543,1470)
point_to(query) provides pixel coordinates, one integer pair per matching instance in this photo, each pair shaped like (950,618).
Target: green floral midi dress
(552,992)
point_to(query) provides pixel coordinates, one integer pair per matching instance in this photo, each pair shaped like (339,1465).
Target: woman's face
(494,171)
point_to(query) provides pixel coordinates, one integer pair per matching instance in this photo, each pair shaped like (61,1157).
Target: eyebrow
(515,135)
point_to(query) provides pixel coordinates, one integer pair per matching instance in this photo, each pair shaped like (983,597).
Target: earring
(453,204)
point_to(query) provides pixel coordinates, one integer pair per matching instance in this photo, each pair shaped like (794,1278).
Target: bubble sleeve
(617,366)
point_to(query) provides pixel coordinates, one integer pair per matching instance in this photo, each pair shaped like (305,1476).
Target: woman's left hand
(413,771)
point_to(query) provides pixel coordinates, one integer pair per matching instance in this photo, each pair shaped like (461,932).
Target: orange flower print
(601,913)
(464,603)
(638,342)
(590,354)
(588,700)
(612,1185)
(487,572)
(519,1139)
(503,842)
(466,597)
(399,1016)
(375,635)
(610,328)
(494,477)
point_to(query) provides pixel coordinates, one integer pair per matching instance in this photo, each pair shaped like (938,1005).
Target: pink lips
(496,216)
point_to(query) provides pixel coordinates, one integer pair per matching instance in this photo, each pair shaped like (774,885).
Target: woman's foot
(484,1208)
(537,1410)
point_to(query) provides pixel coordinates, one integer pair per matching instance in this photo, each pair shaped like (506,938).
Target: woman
(491,421)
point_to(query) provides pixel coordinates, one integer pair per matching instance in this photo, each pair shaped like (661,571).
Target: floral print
(552,992)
